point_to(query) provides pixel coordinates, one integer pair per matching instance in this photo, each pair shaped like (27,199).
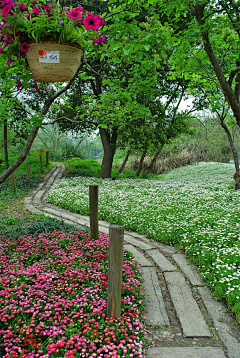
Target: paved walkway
(182,318)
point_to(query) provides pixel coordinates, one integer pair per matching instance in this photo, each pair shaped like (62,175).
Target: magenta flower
(19,55)
(33,2)
(35,85)
(36,10)
(99,40)
(6,9)
(9,61)
(46,7)
(25,47)
(102,22)
(75,14)
(19,85)
(23,7)
(91,22)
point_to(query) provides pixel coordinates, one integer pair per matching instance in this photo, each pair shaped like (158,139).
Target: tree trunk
(124,162)
(5,139)
(109,146)
(153,161)
(34,131)
(226,87)
(140,165)
(234,153)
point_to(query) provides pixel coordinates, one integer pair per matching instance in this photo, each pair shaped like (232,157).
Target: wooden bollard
(116,234)
(28,172)
(13,179)
(47,158)
(93,211)
(40,162)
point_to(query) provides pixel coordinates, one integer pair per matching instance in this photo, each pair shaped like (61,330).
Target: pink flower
(9,61)
(19,55)
(33,2)
(102,22)
(92,22)
(99,40)
(19,85)
(23,7)
(46,7)
(6,9)
(35,85)
(24,47)
(36,10)
(75,14)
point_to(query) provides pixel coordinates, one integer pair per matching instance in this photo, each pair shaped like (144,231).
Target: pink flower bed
(53,299)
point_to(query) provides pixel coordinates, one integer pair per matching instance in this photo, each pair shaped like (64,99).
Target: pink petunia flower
(91,22)
(46,7)
(19,55)
(23,7)
(36,10)
(102,22)
(19,85)
(99,40)
(75,14)
(6,9)
(9,61)
(25,47)
(35,85)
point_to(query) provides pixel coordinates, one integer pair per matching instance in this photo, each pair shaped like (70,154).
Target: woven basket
(62,64)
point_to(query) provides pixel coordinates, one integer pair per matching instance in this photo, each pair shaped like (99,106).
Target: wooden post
(28,172)
(116,234)
(47,158)
(40,161)
(93,211)
(13,179)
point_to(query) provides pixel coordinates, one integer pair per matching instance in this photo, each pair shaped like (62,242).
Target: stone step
(189,269)
(155,313)
(223,322)
(185,352)
(161,260)
(137,242)
(138,256)
(188,312)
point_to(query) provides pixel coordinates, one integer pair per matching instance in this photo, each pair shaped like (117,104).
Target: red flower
(99,40)
(25,47)
(36,10)
(92,22)
(75,14)
(6,9)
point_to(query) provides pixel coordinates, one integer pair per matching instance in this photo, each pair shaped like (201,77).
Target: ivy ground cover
(53,299)
(193,207)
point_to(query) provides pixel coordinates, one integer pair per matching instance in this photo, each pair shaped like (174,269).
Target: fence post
(116,234)
(93,211)
(13,179)
(28,172)
(47,158)
(40,161)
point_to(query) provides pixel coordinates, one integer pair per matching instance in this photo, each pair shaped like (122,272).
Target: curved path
(182,318)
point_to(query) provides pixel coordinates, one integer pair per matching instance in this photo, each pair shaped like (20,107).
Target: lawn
(53,294)
(194,208)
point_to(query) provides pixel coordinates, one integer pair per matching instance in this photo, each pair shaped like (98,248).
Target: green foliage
(13,228)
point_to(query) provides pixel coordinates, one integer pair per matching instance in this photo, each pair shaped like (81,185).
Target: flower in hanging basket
(35,21)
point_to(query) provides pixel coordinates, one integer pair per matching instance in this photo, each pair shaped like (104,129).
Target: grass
(194,208)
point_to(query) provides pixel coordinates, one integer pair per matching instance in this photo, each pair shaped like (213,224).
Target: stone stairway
(182,318)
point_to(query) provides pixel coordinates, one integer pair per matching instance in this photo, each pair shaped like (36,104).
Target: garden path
(182,318)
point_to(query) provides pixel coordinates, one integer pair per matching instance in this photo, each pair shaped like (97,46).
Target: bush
(36,225)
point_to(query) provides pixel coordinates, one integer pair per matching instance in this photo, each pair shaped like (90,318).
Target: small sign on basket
(48,56)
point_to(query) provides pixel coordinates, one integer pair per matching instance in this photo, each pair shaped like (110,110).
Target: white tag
(48,56)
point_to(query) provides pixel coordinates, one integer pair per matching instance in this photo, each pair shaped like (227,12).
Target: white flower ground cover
(193,207)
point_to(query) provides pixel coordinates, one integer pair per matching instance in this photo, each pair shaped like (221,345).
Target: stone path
(182,318)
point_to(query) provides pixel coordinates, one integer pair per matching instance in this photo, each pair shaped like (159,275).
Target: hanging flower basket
(54,62)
